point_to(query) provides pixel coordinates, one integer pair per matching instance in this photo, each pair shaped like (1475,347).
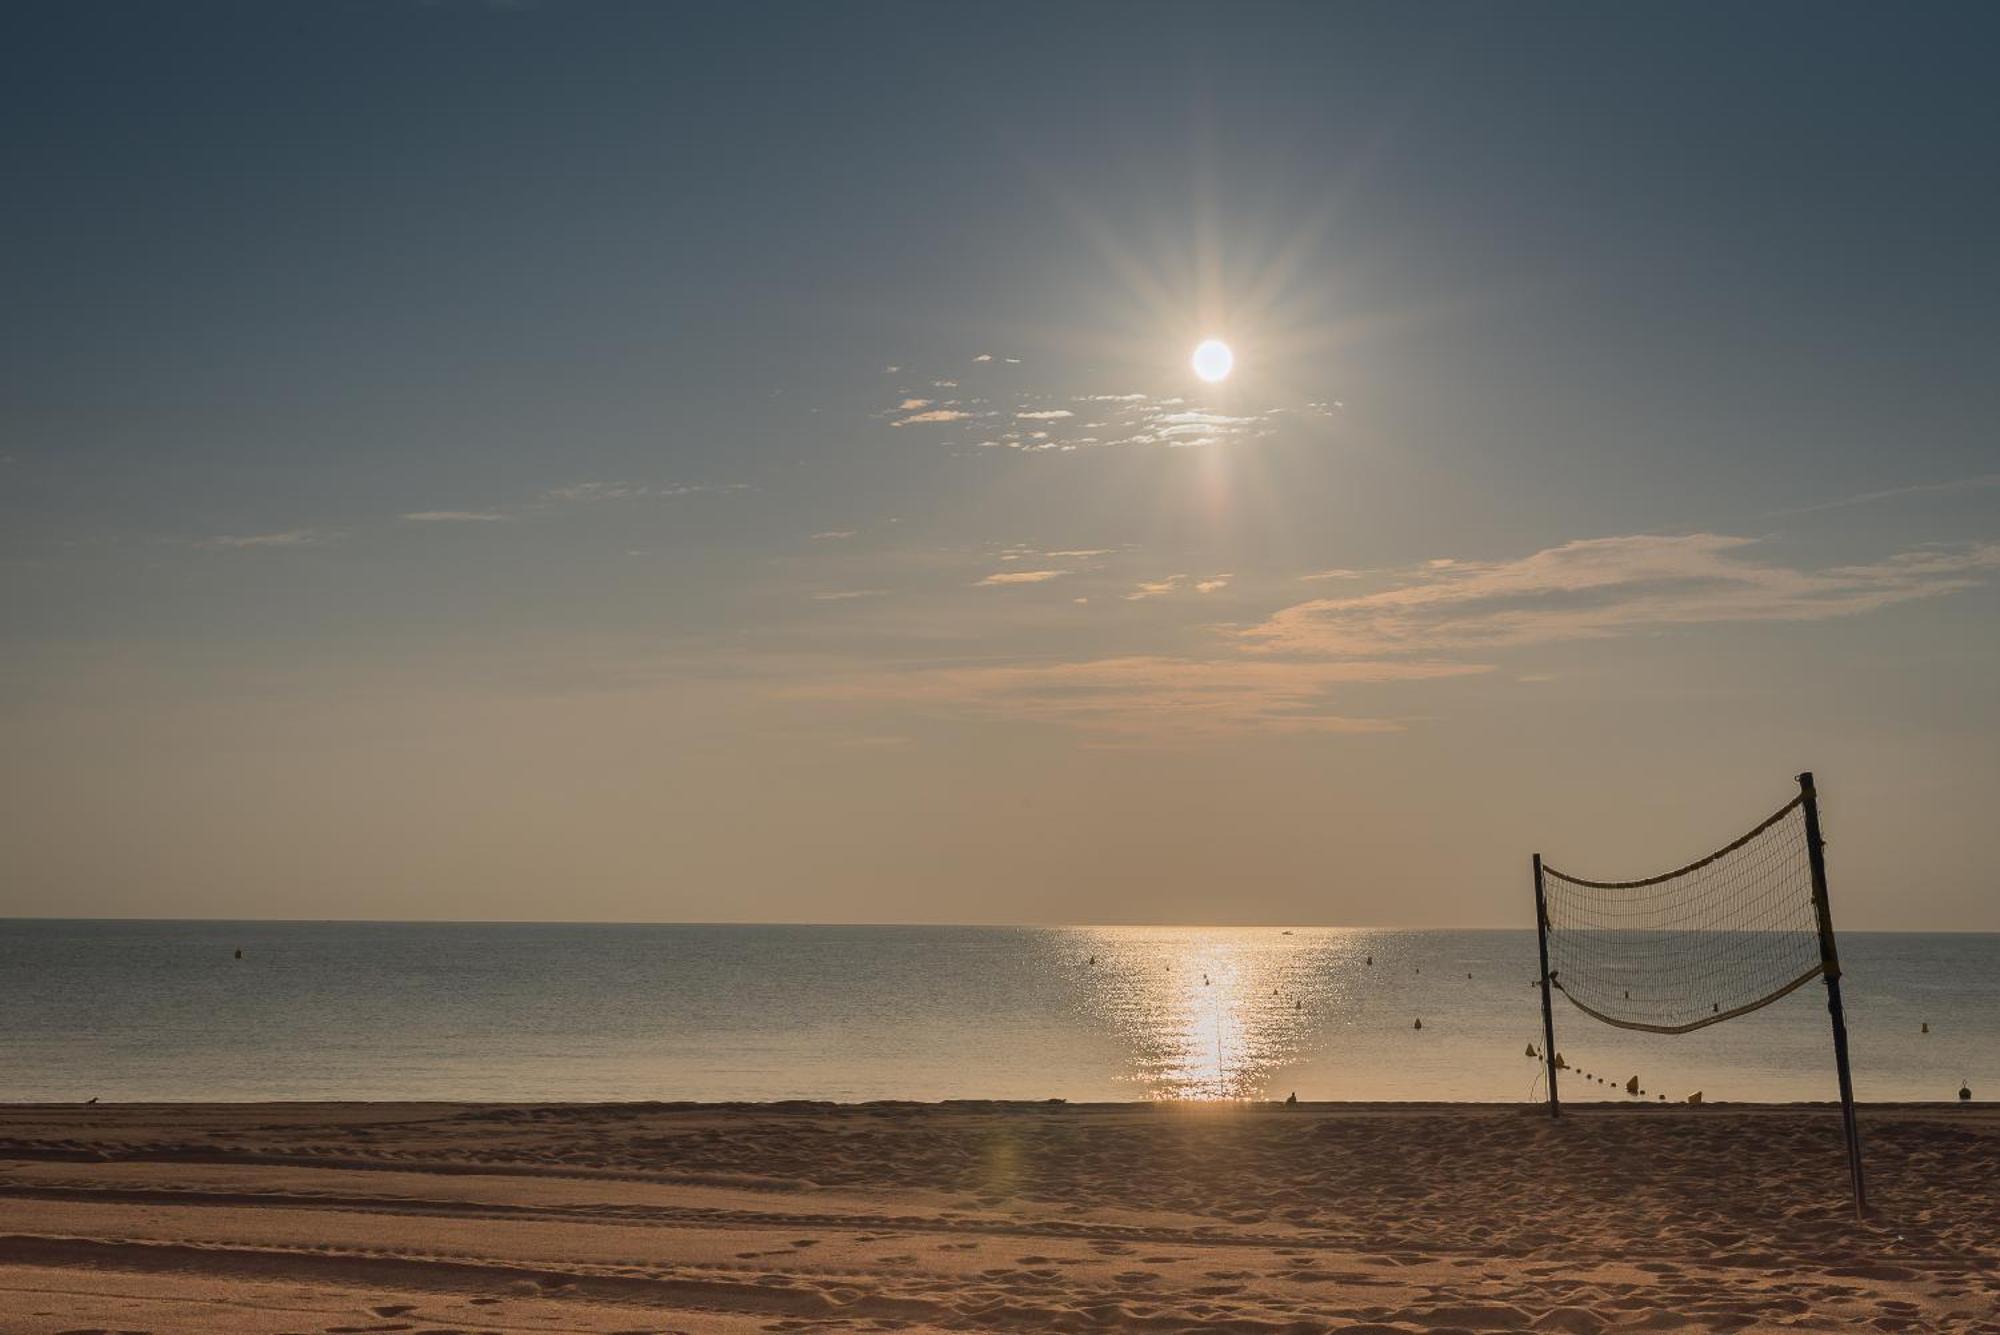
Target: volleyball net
(1721,937)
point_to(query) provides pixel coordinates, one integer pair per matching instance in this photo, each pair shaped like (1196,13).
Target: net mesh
(1713,940)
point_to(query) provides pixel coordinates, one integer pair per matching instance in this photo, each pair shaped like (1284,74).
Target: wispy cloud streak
(294,537)
(1603,587)
(1000,577)
(1978,483)
(1145,699)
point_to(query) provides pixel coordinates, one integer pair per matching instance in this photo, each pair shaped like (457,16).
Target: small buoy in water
(1663,1098)
(1632,1085)
(1298,1005)
(1420,1024)
(1292,1099)
(1965,1093)
(1927,1027)
(1715,1006)
(1093,959)
(1628,994)
(1468,976)
(1695,1097)
(1369,961)
(1531,1049)
(1561,1065)
(239,955)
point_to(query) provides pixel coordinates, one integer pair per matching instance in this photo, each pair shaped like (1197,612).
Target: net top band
(1696,865)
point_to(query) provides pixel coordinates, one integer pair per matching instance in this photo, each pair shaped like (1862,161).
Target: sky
(675,463)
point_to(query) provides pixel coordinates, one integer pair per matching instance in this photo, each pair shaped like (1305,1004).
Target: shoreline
(1590,1107)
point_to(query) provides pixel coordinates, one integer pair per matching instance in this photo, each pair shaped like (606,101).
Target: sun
(1213,360)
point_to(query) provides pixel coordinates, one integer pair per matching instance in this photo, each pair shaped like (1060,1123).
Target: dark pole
(1829,960)
(1548,1009)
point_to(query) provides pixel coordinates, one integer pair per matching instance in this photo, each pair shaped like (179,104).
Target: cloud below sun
(1434,621)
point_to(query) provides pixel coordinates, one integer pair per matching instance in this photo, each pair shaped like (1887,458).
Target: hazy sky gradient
(647,462)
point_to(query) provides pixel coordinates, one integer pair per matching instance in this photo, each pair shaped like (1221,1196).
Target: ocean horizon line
(1159,925)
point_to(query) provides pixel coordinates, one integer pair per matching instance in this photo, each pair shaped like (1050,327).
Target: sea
(159,1011)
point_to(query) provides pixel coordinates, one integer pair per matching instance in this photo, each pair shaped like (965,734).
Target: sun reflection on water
(1212,1013)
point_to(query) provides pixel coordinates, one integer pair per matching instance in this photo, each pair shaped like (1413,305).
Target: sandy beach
(327,1218)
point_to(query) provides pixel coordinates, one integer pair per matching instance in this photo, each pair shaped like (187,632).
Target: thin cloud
(1046,415)
(1155,588)
(1601,588)
(1213,583)
(934,415)
(833,535)
(1895,493)
(1147,700)
(625,491)
(457,516)
(845,595)
(999,577)
(293,537)
(912,405)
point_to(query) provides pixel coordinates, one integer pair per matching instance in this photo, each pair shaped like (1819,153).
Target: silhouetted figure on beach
(1292,1099)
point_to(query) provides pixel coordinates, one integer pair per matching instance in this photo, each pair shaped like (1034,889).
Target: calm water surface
(163,1010)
